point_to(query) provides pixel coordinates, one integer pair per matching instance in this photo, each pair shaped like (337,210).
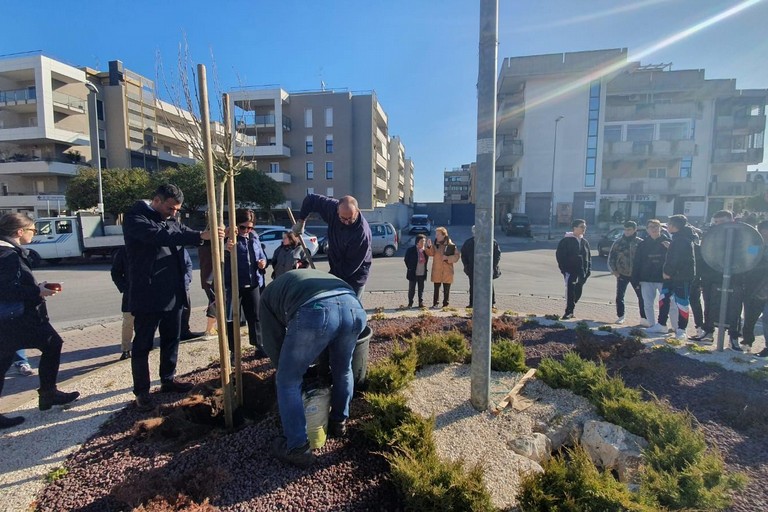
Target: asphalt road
(527,267)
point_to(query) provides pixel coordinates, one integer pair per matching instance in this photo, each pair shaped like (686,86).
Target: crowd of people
(302,317)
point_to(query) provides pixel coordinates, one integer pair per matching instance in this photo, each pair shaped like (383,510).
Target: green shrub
(606,328)
(571,482)
(427,483)
(531,322)
(558,325)
(552,317)
(637,332)
(583,332)
(56,474)
(415,434)
(441,348)
(394,374)
(389,412)
(507,356)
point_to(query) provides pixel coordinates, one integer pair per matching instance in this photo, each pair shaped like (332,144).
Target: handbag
(12,310)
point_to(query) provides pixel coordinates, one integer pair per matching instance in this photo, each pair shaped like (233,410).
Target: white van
(420,223)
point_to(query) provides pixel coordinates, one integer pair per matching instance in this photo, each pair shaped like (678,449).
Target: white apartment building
(591,135)
(44,133)
(327,142)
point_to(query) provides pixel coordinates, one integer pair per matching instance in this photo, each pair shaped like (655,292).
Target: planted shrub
(394,374)
(389,412)
(441,348)
(507,356)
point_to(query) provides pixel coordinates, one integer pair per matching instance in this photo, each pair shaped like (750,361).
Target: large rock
(535,446)
(613,448)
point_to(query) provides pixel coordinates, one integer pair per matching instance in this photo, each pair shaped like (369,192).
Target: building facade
(459,184)
(591,135)
(325,142)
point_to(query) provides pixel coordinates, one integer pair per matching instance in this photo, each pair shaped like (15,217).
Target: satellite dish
(746,246)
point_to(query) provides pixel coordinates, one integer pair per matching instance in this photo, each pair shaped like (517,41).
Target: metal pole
(486,159)
(552,184)
(213,218)
(726,285)
(94,90)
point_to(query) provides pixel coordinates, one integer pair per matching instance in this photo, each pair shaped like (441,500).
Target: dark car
(605,243)
(518,224)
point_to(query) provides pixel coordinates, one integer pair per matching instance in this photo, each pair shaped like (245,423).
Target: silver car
(384,238)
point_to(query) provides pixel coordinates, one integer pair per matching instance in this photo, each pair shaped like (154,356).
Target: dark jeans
(711,291)
(446,293)
(753,308)
(681,291)
(493,292)
(573,287)
(41,337)
(186,311)
(621,289)
(249,303)
(419,281)
(144,327)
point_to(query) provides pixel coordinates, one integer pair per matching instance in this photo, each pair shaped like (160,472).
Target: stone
(613,448)
(535,446)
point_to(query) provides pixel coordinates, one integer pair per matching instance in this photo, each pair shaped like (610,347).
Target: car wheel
(34,258)
(389,251)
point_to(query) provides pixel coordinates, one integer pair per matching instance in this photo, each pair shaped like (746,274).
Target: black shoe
(125,355)
(421,305)
(337,428)
(48,399)
(707,336)
(144,402)
(190,336)
(409,306)
(8,421)
(747,343)
(762,353)
(567,316)
(735,345)
(301,457)
(176,386)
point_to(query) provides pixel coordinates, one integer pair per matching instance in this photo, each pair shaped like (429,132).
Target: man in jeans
(647,270)
(620,261)
(304,312)
(679,270)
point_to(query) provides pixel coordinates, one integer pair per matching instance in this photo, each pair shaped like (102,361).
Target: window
(329,192)
(274,166)
(657,172)
(100,110)
(310,144)
(310,190)
(310,170)
(329,143)
(329,170)
(590,170)
(640,132)
(673,131)
(102,144)
(308,118)
(612,133)
(64,227)
(686,165)
(329,117)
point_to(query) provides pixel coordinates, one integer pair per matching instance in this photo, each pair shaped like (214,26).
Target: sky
(419,56)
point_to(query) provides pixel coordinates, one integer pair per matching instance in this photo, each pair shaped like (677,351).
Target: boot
(55,397)
(8,422)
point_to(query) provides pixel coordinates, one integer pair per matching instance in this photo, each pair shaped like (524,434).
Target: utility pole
(552,183)
(484,211)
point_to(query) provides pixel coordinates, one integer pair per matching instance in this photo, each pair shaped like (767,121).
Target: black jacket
(119,273)
(18,284)
(411,259)
(349,246)
(649,260)
(574,257)
(680,263)
(156,265)
(468,258)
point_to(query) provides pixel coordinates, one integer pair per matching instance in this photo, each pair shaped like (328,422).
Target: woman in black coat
(30,328)
(416,269)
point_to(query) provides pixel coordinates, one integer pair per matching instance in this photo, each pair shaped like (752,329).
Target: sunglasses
(34,230)
(245,228)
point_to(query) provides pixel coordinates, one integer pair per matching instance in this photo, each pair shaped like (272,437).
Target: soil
(164,461)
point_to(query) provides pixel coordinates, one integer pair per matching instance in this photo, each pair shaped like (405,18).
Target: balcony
(280,177)
(381,161)
(509,116)
(509,186)
(753,124)
(736,188)
(380,184)
(263,151)
(730,156)
(642,150)
(508,150)
(685,110)
(66,104)
(177,158)
(40,168)
(15,97)
(659,186)
(250,124)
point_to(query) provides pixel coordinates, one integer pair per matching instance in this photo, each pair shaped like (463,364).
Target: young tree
(256,188)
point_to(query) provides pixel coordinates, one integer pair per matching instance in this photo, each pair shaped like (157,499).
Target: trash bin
(360,358)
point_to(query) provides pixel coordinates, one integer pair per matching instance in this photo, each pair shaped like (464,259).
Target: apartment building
(333,143)
(459,184)
(44,134)
(592,135)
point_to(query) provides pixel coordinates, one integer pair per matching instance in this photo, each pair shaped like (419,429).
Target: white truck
(80,235)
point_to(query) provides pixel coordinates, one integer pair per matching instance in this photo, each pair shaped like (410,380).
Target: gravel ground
(119,468)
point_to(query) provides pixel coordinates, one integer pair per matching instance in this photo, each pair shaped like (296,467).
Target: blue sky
(420,56)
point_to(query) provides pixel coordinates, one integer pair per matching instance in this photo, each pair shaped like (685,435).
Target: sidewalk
(90,365)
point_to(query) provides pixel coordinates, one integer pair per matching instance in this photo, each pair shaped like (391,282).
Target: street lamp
(552,183)
(94,91)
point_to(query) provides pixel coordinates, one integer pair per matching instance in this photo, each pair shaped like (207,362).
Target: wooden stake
(213,217)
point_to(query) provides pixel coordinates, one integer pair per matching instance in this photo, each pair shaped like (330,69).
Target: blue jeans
(335,323)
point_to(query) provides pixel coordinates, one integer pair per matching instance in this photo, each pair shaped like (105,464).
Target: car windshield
(419,221)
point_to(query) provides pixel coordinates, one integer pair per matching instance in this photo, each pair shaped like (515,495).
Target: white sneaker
(24,369)
(644,323)
(680,335)
(657,329)
(620,320)
(699,332)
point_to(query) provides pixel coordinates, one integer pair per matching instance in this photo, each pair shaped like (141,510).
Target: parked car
(273,237)
(420,223)
(518,224)
(605,243)
(321,232)
(384,238)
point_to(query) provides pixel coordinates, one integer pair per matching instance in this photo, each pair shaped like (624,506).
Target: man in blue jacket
(574,259)
(154,242)
(349,237)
